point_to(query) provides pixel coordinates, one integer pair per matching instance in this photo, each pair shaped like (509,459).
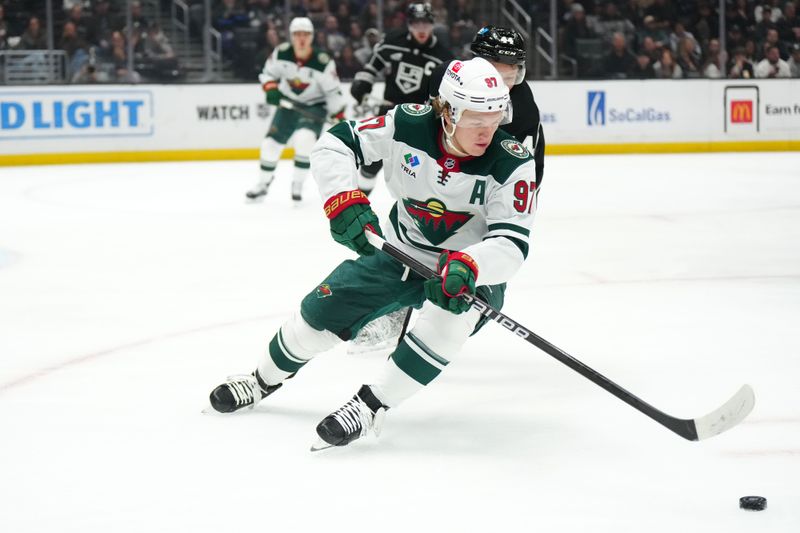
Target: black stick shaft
(682,427)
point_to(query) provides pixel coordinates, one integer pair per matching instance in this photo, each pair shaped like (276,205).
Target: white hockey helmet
(474,85)
(301,24)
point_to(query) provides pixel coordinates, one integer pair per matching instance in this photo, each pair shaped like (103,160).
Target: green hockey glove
(272,93)
(458,272)
(350,214)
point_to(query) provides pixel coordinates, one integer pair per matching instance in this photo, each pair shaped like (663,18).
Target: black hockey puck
(753,503)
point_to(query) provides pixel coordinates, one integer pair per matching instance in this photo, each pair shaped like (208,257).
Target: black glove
(359,89)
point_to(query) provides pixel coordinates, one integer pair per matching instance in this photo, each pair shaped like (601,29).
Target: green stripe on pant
(409,359)
(281,357)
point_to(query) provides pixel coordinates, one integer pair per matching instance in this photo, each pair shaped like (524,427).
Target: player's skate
(257,193)
(297,191)
(362,414)
(239,392)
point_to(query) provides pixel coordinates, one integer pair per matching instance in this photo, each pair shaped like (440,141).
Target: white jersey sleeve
(270,73)
(347,146)
(510,210)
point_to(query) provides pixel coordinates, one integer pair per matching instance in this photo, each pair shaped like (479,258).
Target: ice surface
(128,291)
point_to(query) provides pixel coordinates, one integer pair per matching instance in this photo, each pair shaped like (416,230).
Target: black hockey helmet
(419,13)
(501,45)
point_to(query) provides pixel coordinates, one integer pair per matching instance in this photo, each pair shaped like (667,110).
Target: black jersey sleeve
(524,102)
(436,80)
(538,155)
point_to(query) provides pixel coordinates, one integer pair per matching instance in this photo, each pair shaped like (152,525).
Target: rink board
(76,124)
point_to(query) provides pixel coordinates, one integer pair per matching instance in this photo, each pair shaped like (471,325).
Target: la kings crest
(409,77)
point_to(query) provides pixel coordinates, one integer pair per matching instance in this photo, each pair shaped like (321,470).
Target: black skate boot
(362,414)
(241,391)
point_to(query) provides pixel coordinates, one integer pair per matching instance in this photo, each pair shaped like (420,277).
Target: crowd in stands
(637,39)
(677,39)
(94,34)
(347,29)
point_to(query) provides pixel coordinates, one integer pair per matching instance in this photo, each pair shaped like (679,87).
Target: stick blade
(728,415)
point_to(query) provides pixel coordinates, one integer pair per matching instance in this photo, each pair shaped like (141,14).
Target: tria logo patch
(324,290)
(411,159)
(434,220)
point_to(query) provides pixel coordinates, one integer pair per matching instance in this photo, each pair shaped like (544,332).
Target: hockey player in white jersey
(302,82)
(465,201)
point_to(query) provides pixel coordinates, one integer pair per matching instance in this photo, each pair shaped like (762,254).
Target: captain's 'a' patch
(415,109)
(514,148)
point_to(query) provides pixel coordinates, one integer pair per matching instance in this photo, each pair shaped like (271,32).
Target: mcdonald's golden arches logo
(741,111)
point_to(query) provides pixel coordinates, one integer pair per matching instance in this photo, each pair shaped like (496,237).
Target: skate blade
(321,445)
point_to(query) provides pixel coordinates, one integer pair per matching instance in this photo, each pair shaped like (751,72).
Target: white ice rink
(127,292)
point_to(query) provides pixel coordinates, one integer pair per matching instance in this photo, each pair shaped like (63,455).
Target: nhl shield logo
(450,163)
(409,77)
(515,148)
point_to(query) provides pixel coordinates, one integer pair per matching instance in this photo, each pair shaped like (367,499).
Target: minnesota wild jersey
(310,82)
(483,206)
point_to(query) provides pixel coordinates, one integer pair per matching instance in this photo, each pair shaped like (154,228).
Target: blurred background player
(406,58)
(302,82)
(463,172)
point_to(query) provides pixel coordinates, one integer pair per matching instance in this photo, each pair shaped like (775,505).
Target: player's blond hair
(440,107)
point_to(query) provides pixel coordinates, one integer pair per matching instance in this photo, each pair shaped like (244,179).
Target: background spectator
(715,58)
(577,27)
(666,67)
(75,47)
(34,37)
(643,70)
(620,62)
(740,67)
(370,39)
(689,58)
(772,66)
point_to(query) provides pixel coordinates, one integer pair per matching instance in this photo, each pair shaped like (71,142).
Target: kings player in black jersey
(407,59)
(505,49)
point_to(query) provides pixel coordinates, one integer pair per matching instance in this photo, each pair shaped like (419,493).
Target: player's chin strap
(448,140)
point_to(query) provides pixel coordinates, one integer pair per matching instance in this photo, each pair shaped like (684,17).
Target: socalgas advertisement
(188,121)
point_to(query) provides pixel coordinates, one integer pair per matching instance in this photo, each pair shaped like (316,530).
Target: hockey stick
(722,419)
(300,110)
